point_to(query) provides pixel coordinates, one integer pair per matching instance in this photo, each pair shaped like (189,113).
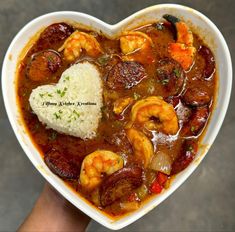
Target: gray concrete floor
(205,202)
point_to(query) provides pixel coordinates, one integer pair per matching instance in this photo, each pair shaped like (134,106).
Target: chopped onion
(129,206)
(161,162)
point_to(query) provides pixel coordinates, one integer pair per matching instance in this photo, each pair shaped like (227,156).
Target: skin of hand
(52,212)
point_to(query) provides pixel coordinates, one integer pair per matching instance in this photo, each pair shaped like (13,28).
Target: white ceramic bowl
(201,24)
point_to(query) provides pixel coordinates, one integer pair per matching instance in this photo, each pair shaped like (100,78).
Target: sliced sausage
(119,184)
(196,96)
(196,122)
(187,154)
(208,56)
(125,75)
(59,165)
(43,65)
(171,75)
(53,34)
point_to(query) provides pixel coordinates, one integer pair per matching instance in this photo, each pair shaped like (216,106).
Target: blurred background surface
(205,202)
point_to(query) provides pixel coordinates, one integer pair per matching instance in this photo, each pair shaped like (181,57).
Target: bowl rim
(211,138)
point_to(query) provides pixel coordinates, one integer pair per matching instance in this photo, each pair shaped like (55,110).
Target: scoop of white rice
(73,105)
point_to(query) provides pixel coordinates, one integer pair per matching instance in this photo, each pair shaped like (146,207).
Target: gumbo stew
(157,86)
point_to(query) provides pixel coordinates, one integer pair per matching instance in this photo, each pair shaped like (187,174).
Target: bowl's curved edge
(183,176)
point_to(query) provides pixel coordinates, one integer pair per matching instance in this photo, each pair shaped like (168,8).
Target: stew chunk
(206,53)
(196,96)
(187,154)
(196,122)
(119,184)
(59,165)
(43,65)
(125,75)
(171,75)
(53,34)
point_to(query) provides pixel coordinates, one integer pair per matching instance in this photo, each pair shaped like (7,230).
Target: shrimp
(121,104)
(182,50)
(141,145)
(137,46)
(76,42)
(182,54)
(155,114)
(97,163)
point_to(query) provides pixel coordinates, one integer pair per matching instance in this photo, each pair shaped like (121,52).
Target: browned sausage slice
(208,56)
(59,165)
(196,96)
(43,65)
(196,122)
(171,75)
(187,154)
(119,184)
(125,75)
(53,34)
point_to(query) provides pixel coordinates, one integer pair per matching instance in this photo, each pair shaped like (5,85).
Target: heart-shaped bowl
(200,24)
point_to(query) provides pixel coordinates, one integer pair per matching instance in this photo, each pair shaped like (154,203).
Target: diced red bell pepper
(159,182)
(156,187)
(162,178)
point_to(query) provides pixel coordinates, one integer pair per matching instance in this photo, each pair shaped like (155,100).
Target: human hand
(52,212)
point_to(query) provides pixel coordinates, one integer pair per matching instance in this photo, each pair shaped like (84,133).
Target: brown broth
(111,130)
